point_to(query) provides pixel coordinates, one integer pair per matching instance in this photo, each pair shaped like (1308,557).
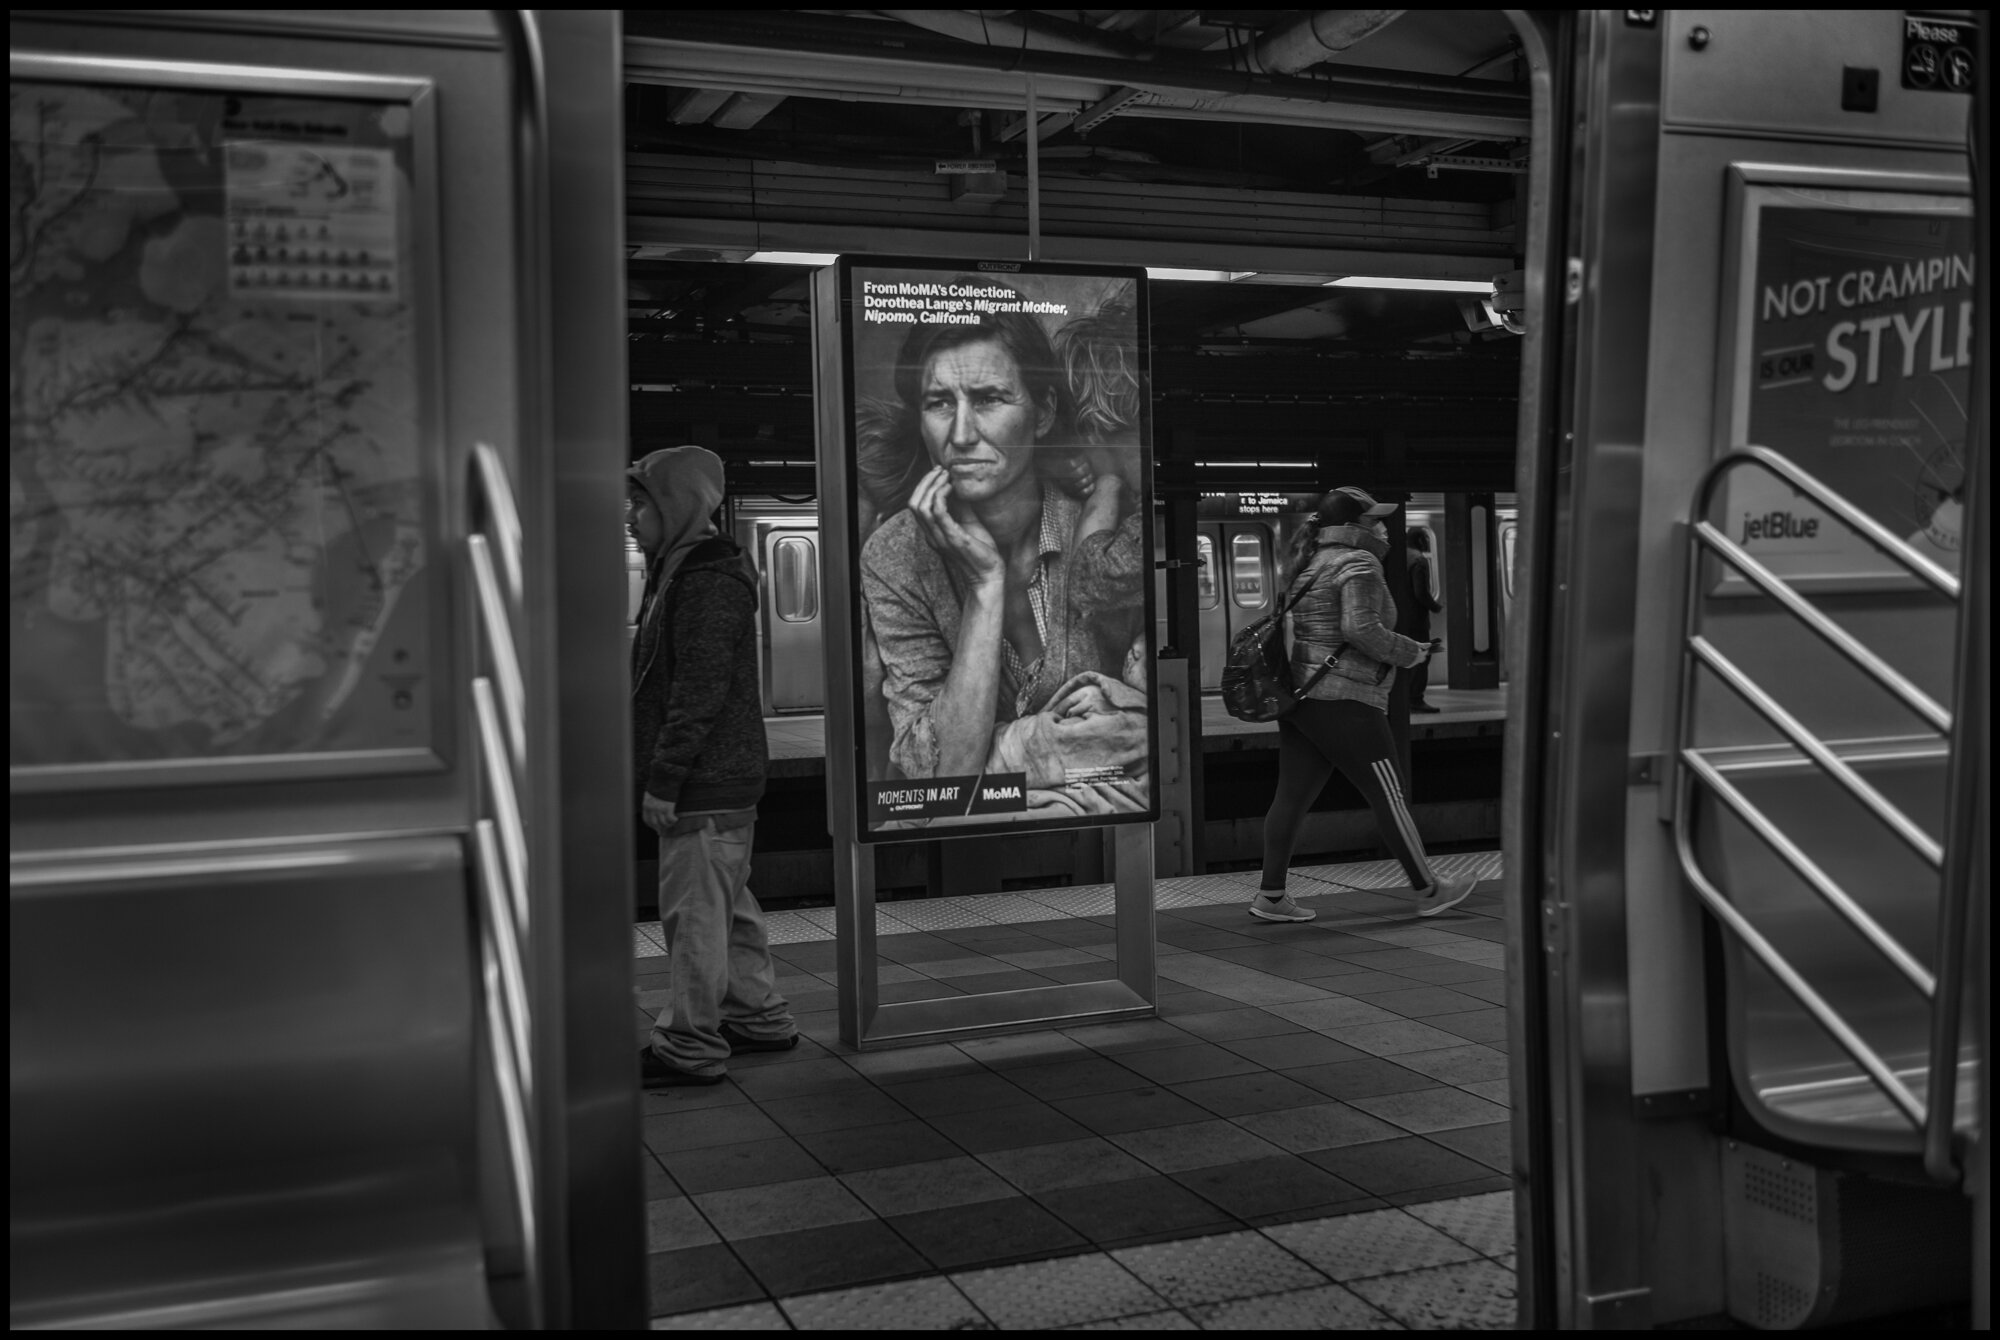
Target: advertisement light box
(985,466)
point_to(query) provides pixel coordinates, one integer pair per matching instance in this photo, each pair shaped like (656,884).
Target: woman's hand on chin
(966,545)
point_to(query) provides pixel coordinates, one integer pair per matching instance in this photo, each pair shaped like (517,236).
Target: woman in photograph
(980,592)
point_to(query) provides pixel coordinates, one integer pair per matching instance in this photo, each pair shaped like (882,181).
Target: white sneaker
(1284,909)
(1446,895)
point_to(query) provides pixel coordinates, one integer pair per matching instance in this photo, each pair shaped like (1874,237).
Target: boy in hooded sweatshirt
(699,759)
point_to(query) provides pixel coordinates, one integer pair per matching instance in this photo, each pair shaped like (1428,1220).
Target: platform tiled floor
(1313,1133)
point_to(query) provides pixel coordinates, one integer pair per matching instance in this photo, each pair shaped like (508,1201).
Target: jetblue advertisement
(1859,369)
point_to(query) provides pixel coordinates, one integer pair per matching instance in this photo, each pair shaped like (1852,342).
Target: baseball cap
(1346,505)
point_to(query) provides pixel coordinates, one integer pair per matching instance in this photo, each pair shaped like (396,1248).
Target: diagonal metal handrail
(1789,977)
(1922,843)
(1697,651)
(1807,869)
(500,838)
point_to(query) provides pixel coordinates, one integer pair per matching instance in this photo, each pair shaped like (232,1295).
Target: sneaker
(1279,908)
(1424,707)
(1443,896)
(739,1041)
(657,1074)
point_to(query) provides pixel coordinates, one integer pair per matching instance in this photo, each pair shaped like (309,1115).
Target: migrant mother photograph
(1000,470)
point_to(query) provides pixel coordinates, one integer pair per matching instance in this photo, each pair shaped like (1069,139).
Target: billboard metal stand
(865,1020)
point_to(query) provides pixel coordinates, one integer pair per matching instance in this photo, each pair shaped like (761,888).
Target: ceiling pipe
(1317,37)
(969,25)
(832,37)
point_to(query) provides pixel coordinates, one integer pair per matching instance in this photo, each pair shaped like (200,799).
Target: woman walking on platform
(1343,621)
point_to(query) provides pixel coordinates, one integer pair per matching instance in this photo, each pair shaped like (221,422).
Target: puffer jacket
(1347,613)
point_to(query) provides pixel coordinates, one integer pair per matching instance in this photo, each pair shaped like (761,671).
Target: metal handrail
(1788,977)
(507,949)
(1870,529)
(1697,650)
(1807,869)
(1922,843)
(500,842)
(1842,641)
(499,639)
(503,517)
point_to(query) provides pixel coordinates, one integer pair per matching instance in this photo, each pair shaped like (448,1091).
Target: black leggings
(1313,740)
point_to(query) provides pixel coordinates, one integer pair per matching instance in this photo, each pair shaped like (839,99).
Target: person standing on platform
(1423,591)
(699,759)
(1343,620)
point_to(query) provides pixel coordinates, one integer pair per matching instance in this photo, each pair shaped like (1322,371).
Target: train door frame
(1617,1227)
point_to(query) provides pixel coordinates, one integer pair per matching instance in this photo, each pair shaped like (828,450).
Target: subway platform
(1312,1134)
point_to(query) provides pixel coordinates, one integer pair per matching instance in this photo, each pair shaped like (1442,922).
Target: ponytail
(1305,543)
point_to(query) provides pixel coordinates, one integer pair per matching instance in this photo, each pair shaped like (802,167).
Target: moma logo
(999,793)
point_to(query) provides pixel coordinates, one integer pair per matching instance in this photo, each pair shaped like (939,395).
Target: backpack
(1257,677)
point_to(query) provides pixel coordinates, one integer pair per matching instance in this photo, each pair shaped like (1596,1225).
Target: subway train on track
(320,932)
(1240,542)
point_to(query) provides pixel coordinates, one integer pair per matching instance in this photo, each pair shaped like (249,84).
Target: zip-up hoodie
(697,713)
(1347,613)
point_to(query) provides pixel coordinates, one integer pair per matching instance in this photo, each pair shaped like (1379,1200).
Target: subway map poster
(216,500)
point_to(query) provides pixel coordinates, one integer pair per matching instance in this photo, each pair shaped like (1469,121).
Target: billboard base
(1132,994)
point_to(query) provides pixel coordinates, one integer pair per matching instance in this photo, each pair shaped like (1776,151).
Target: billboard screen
(996,462)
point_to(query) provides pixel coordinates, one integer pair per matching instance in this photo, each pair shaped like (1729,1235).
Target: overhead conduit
(765,51)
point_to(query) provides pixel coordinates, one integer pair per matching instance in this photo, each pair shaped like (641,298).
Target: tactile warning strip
(1062,1292)
(1356,1246)
(1483,1223)
(1328,1307)
(1151,1321)
(1213,1269)
(1472,1296)
(1340,882)
(743,1317)
(909,1305)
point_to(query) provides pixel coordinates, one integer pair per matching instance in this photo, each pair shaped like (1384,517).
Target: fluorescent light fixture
(1419,285)
(1208,276)
(1262,465)
(793,257)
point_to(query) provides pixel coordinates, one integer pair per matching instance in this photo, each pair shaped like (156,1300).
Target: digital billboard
(995,457)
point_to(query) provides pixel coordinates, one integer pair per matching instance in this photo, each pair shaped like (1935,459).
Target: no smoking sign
(1938,54)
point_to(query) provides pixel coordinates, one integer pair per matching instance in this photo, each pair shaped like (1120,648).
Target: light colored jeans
(721,964)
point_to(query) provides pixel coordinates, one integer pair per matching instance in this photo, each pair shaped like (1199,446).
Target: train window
(795,579)
(1208,592)
(635,579)
(1249,563)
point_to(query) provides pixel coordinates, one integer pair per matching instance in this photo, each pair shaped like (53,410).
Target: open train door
(319,928)
(1738,1016)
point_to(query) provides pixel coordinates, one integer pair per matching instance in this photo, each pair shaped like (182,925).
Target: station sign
(990,468)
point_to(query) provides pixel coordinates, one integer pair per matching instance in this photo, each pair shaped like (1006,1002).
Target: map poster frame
(1080,754)
(1855,381)
(422,609)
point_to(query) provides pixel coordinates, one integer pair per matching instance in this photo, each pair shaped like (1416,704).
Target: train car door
(788,556)
(1210,604)
(1723,817)
(318,694)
